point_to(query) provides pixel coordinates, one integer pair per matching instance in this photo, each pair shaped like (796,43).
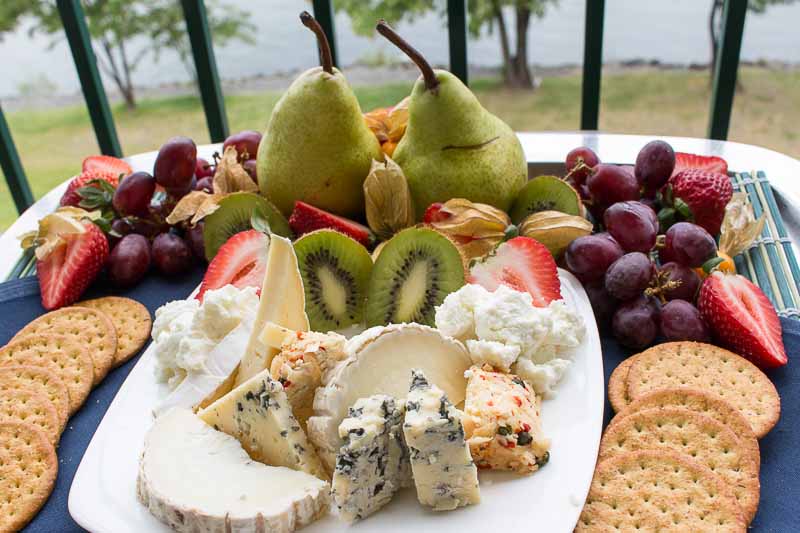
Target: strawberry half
(241,262)
(306,218)
(703,162)
(106,163)
(524,264)
(71,266)
(742,318)
(706,194)
(71,196)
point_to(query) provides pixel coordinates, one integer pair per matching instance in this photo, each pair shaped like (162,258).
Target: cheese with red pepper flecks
(503,422)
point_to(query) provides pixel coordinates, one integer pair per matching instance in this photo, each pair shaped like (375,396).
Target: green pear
(453,147)
(317,147)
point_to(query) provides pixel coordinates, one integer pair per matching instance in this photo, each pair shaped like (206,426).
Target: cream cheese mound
(186,331)
(505,330)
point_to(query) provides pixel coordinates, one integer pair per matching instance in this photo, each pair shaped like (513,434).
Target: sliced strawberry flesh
(306,218)
(766,324)
(241,262)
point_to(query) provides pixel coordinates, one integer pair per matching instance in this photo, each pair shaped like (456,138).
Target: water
(672,32)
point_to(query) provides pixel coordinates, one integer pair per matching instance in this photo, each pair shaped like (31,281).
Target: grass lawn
(53,142)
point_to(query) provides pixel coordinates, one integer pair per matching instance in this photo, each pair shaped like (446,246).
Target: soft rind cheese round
(194,478)
(380,362)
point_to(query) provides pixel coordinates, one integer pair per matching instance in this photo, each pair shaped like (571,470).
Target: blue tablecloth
(780,450)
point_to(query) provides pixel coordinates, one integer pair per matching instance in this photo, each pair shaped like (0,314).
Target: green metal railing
(74,22)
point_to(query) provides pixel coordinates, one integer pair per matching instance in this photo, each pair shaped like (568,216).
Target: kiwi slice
(414,272)
(335,271)
(545,193)
(234,214)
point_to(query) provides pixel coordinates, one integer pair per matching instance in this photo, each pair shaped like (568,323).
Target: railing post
(592,63)
(205,64)
(12,168)
(323,12)
(457,33)
(80,44)
(733,15)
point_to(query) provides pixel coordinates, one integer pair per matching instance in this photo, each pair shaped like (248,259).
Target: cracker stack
(682,452)
(46,374)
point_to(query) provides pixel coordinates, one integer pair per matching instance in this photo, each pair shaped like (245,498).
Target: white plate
(103,493)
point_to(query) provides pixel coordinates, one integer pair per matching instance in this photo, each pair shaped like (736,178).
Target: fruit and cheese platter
(399,329)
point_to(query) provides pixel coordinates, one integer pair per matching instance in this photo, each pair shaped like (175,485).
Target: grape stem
(325,56)
(431,82)
(661,285)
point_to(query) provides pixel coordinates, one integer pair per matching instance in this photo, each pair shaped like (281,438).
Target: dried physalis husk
(554,229)
(475,228)
(397,120)
(231,176)
(377,122)
(388,199)
(740,227)
(54,227)
(194,207)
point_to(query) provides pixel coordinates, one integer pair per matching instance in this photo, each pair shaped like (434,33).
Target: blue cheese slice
(373,462)
(258,414)
(444,473)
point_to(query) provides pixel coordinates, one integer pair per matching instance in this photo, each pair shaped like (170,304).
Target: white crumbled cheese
(505,330)
(186,331)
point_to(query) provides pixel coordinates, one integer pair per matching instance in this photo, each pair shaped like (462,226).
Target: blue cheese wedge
(194,478)
(258,414)
(373,462)
(444,473)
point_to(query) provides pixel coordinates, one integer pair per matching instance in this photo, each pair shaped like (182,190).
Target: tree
(115,24)
(482,13)
(715,22)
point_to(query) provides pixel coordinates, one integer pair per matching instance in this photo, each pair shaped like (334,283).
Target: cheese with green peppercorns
(373,462)
(258,414)
(503,422)
(444,473)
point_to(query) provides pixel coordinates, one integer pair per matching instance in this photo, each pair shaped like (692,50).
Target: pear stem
(431,82)
(325,56)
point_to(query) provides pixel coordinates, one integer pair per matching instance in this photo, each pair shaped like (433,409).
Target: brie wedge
(194,478)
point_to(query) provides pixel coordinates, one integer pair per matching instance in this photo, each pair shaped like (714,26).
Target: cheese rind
(373,462)
(444,473)
(258,414)
(194,478)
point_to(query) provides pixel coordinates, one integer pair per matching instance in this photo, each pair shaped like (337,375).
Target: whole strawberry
(71,196)
(705,193)
(742,318)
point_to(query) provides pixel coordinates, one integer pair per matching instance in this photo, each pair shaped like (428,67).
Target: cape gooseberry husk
(555,229)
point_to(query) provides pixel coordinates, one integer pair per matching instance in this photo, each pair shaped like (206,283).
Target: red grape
(681,321)
(175,165)
(250,168)
(203,168)
(171,254)
(603,304)
(633,225)
(635,324)
(688,244)
(129,260)
(687,279)
(205,184)
(133,194)
(609,184)
(194,236)
(654,165)
(629,276)
(579,163)
(588,257)
(246,144)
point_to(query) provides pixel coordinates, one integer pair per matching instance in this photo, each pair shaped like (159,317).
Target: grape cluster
(139,235)
(642,279)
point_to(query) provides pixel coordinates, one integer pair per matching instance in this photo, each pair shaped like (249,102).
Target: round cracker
(618,385)
(658,491)
(90,327)
(66,357)
(28,469)
(702,438)
(706,404)
(711,369)
(131,320)
(29,404)
(14,377)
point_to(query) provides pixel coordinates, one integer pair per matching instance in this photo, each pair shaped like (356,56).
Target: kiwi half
(545,193)
(414,272)
(234,214)
(335,271)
